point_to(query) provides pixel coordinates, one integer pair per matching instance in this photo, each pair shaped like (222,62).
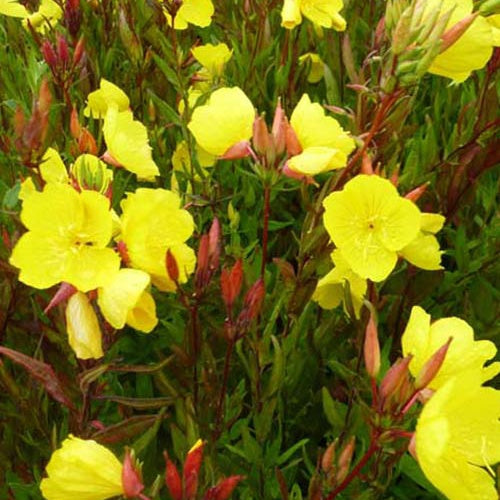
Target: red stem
(265,232)
(222,397)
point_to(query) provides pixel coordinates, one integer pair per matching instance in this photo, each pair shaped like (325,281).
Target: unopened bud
(415,194)
(73,16)
(224,488)
(74,124)
(89,172)
(79,51)
(237,151)
(395,377)
(202,261)
(278,129)
(214,238)
(327,458)
(191,470)
(451,35)
(293,146)
(64,292)
(62,50)
(402,33)
(345,459)
(252,303)
(261,137)
(371,348)
(432,367)
(131,477)
(288,172)
(231,281)
(49,54)
(172,479)
(87,142)
(171,266)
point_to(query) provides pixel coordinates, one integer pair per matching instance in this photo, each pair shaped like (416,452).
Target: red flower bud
(202,261)
(278,129)
(214,237)
(261,137)
(450,36)
(394,377)
(62,50)
(252,304)
(371,348)
(172,479)
(49,54)
(171,266)
(293,146)
(416,193)
(328,456)
(64,293)
(239,150)
(131,478)
(224,488)
(345,458)
(231,281)
(79,51)
(432,367)
(192,469)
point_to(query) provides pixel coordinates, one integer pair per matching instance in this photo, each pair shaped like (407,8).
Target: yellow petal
(121,294)
(197,12)
(97,222)
(316,160)
(225,120)
(213,57)
(423,252)
(143,316)
(108,94)
(317,66)
(84,333)
(324,13)
(495,26)
(27,189)
(128,143)
(52,168)
(431,223)
(82,469)
(13,8)
(45,17)
(290,14)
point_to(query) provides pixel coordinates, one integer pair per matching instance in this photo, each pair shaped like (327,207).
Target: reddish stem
(265,232)
(223,391)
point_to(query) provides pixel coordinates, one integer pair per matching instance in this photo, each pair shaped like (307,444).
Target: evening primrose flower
(224,121)
(422,339)
(45,17)
(212,57)
(82,469)
(317,66)
(323,13)
(197,12)
(458,437)
(13,8)
(108,94)
(152,223)
(472,50)
(330,290)
(66,240)
(84,332)
(125,299)
(325,145)
(424,251)
(369,222)
(128,144)
(89,172)
(52,168)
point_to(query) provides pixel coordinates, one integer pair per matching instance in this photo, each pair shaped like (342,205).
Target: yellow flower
(458,436)
(67,239)
(495,26)
(317,66)
(90,172)
(45,17)
(471,51)
(152,223)
(125,300)
(52,168)
(369,222)
(224,121)
(323,13)
(107,95)
(13,8)
(27,188)
(325,145)
(84,332)
(213,57)
(128,143)
(422,339)
(197,12)
(424,251)
(82,469)
(330,290)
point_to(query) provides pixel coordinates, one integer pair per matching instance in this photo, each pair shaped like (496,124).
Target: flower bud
(261,138)
(171,266)
(172,479)
(252,303)
(202,261)
(49,54)
(224,488)
(89,172)
(432,366)
(451,35)
(62,50)
(345,458)
(237,151)
(371,348)
(79,51)
(131,477)
(231,282)
(293,146)
(415,194)
(395,377)
(327,458)
(214,237)
(64,293)
(192,469)
(278,129)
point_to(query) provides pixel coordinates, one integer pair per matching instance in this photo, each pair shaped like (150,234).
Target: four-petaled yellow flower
(458,437)
(125,299)
(325,145)
(82,469)
(197,12)
(422,339)
(370,223)
(324,13)
(330,290)
(108,94)
(67,239)
(152,223)
(212,57)
(223,122)
(472,50)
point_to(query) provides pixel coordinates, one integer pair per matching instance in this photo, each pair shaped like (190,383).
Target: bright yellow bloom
(325,145)
(323,13)
(82,469)
(52,168)
(27,188)
(424,251)
(91,173)
(471,51)
(495,26)
(13,8)
(458,436)
(330,290)
(125,300)
(422,339)
(224,121)
(84,332)
(213,57)
(67,239)
(369,222)
(128,143)
(106,96)
(317,66)
(152,223)
(45,17)
(197,12)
